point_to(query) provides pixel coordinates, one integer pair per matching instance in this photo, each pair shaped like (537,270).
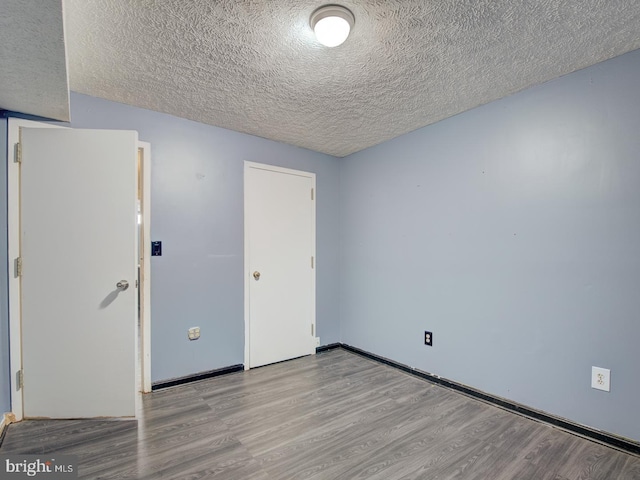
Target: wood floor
(330,416)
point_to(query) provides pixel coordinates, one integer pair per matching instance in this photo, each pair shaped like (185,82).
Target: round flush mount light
(332,24)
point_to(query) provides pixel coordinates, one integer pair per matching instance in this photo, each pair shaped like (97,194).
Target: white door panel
(78,227)
(280,223)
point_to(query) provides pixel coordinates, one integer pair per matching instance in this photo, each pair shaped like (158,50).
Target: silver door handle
(256,275)
(122,285)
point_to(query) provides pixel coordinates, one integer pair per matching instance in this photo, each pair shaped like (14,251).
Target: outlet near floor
(601,378)
(194,333)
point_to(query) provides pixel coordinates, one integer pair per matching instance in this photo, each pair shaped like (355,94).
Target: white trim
(272,168)
(146,254)
(13,220)
(245,269)
(6,420)
(247,273)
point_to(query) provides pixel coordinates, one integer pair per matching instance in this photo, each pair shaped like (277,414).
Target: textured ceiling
(33,66)
(255,67)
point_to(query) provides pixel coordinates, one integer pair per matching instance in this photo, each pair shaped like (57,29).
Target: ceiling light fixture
(332,24)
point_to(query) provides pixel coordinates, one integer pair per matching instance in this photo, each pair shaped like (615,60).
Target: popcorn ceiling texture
(33,67)
(255,67)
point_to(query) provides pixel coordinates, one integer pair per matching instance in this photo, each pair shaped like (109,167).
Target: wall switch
(194,333)
(601,378)
(156,249)
(428,338)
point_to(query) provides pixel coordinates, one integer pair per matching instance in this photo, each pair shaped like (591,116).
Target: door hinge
(312,194)
(136,283)
(311,262)
(312,330)
(19,379)
(19,267)
(18,156)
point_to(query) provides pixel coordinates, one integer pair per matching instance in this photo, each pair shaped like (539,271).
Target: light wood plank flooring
(330,416)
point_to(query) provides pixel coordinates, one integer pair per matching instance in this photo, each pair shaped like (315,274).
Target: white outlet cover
(194,333)
(601,378)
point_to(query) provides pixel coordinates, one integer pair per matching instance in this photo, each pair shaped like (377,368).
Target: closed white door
(279,263)
(78,249)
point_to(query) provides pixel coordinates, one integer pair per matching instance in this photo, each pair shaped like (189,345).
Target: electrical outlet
(601,378)
(317,341)
(194,333)
(428,338)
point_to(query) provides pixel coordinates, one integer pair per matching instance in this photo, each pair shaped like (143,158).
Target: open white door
(279,268)
(79,252)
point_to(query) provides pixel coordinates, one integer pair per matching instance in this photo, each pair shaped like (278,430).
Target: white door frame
(13,250)
(247,266)
(145,253)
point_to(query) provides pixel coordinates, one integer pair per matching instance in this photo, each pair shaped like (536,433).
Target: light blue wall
(5,379)
(512,232)
(197,213)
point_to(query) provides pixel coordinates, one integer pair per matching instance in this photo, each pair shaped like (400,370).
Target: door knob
(256,275)
(122,285)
